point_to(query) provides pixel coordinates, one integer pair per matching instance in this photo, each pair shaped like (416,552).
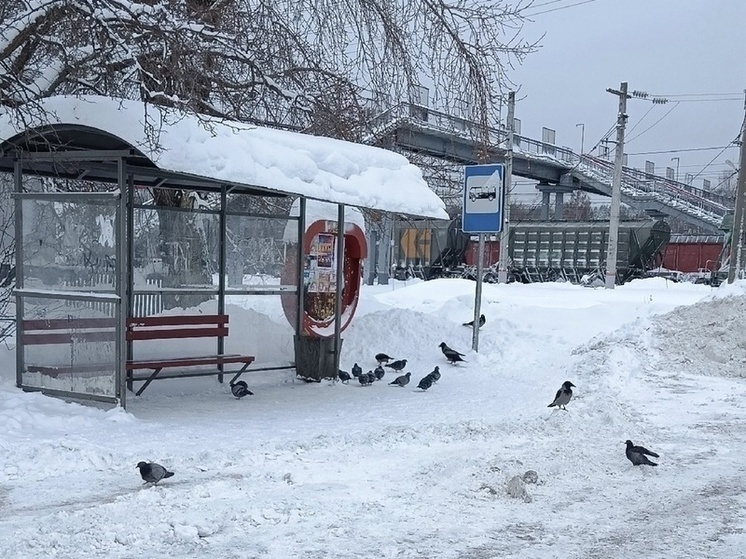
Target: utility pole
(502,269)
(736,236)
(616,187)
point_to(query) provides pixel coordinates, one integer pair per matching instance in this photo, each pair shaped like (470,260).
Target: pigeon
(482,320)
(383,358)
(379,372)
(356,370)
(435,374)
(397,365)
(152,472)
(402,380)
(425,383)
(371,377)
(564,395)
(636,454)
(344,376)
(240,389)
(452,355)
(364,379)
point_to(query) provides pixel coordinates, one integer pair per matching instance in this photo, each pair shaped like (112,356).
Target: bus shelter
(126,210)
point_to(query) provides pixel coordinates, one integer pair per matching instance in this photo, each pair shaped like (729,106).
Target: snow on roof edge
(317,167)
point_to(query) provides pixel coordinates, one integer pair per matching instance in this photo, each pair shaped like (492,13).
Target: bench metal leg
(239,373)
(151,378)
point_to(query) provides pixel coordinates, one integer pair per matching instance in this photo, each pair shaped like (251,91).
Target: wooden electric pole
(616,187)
(736,236)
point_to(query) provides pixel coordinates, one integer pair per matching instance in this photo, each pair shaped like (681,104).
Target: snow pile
(476,466)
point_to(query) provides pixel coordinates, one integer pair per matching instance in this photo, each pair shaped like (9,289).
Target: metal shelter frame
(84,153)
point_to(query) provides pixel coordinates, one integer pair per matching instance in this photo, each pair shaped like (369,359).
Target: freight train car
(547,250)
(695,253)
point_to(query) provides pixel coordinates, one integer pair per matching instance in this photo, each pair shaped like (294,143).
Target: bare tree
(291,62)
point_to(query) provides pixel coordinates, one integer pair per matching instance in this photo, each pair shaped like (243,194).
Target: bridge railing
(642,185)
(494,137)
(635,183)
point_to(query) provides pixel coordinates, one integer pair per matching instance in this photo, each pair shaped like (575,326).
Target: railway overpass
(558,171)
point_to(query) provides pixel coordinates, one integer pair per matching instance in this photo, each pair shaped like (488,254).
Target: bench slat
(68,323)
(173,333)
(189,362)
(178,320)
(68,337)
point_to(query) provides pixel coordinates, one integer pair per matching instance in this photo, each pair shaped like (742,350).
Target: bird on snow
(482,320)
(364,379)
(383,358)
(379,372)
(452,355)
(563,396)
(371,377)
(152,472)
(356,370)
(344,376)
(240,389)
(425,383)
(636,454)
(402,380)
(435,374)
(397,365)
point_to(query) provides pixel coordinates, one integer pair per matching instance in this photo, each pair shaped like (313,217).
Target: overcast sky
(680,49)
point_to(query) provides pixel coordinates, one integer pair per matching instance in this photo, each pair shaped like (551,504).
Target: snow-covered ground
(331,470)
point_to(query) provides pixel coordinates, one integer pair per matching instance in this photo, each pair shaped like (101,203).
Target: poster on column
(322,275)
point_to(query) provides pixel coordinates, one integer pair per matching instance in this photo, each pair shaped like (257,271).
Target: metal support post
(340,286)
(478,295)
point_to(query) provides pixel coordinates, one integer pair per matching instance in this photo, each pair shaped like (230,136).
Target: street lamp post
(677,167)
(582,135)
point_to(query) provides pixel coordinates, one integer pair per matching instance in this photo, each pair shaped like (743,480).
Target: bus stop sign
(483,198)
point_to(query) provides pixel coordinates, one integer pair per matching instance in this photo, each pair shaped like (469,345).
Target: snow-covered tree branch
(301,63)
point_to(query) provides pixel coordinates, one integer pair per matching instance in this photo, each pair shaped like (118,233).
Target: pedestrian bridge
(558,170)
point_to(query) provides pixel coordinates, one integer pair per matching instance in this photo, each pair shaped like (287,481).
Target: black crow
(563,396)
(452,355)
(402,380)
(425,383)
(383,358)
(636,454)
(152,472)
(397,365)
(356,370)
(482,320)
(240,389)
(379,372)
(344,376)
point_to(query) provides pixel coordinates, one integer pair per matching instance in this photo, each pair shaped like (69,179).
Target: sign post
(482,214)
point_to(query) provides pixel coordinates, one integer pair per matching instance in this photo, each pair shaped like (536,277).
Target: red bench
(68,331)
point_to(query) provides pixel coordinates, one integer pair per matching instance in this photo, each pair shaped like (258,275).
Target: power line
(642,118)
(721,152)
(655,123)
(679,150)
(700,94)
(557,8)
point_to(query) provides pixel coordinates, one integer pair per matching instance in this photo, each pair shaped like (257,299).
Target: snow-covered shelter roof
(207,151)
